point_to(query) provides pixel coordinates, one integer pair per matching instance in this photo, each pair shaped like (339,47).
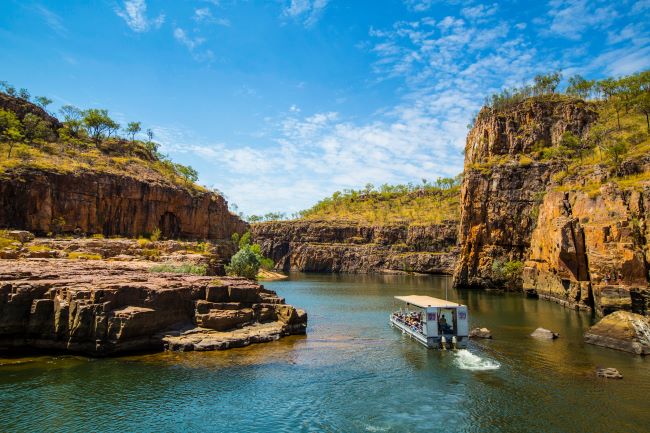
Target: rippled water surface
(352,372)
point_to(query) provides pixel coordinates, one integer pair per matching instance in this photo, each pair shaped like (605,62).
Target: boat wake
(466,360)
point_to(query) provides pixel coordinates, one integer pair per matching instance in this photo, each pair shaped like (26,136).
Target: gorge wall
(112,205)
(325,246)
(582,249)
(500,190)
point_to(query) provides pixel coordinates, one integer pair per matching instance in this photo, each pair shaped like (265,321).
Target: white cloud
(479,12)
(571,18)
(205,15)
(182,37)
(306,11)
(134,13)
(54,21)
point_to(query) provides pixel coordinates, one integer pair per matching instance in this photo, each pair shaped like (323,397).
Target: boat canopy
(427,301)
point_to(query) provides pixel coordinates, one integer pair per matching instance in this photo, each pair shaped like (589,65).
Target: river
(351,373)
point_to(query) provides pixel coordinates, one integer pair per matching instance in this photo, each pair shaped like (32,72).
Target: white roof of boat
(427,301)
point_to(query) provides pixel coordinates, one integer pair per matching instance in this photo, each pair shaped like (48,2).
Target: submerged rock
(544,334)
(608,373)
(480,333)
(622,330)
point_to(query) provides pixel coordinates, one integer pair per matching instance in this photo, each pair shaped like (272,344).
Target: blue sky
(280,103)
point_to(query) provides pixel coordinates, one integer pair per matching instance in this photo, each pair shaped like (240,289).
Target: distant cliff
(326,246)
(113,205)
(59,178)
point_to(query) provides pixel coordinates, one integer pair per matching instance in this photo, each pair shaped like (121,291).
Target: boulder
(544,334)
(480,333)
(622,330)
(608,373)
(21,236)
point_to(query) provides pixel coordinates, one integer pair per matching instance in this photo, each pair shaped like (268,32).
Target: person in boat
(442,324)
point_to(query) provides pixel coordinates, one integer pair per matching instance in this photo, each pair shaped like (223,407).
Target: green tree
(580,87)
(24,94)
(133,128)
(572,143)
(10,129)
(35,127)
(245,263)
(186,172)
(615,151)
(72,119)
(42,101)
(98,123)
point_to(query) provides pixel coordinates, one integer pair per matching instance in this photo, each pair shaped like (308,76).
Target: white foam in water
(466,360)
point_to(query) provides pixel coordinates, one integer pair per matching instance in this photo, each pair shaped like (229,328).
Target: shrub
(155,234)
(185,268)
(508,272)
(245,263)
(97,236)
(84,256)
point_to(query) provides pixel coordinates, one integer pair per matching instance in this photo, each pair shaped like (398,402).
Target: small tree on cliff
(98,123)
(10,129)
(133,128)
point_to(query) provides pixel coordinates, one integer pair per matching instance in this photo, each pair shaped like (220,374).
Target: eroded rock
(622,330)
(109,307)
(608,373)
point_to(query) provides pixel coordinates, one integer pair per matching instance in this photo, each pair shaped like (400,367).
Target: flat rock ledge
(622,330)
(104,308)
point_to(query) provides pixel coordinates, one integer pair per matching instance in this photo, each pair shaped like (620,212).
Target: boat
(436,323)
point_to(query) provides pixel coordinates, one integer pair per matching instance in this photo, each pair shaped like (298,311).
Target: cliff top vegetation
(425,203)
(79,140)
(614,148)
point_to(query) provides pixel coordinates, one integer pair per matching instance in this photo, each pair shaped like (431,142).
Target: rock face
(111,205)
(622,331)
(323,246)
(592,252)
(500,189)
(22,108)
(104,308)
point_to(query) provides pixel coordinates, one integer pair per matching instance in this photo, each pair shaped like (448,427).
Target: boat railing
(413,324)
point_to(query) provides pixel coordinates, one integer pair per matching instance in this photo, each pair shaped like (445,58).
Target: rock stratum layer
(324,246)
(583,250)
(104,308)
(497,200)
(87,202)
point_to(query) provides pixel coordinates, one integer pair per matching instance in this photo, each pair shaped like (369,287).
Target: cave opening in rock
(170,225)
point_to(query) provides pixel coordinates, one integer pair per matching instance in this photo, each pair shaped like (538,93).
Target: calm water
(352,372)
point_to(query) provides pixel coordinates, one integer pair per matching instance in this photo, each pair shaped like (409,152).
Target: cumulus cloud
(306,11)
(134,13)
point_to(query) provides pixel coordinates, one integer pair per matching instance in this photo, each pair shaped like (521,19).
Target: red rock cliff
(42,202)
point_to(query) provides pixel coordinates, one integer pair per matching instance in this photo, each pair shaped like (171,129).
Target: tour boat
(434,322)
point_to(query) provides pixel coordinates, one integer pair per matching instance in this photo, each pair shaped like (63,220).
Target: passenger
(442,324)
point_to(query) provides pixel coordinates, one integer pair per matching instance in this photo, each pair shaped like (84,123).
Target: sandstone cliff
(500,189)
(324,246)
(90,202)
(103,308)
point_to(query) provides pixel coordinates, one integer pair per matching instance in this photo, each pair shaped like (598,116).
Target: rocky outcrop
(88,202)
(22,108)
(324,246)
(622,330)
(591,252)
(501,188)
(104,308)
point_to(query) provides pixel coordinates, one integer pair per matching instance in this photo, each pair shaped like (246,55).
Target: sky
(279,103)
